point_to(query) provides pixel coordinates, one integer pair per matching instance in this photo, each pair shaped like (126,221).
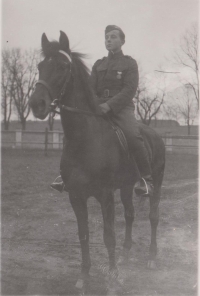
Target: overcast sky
(152,27)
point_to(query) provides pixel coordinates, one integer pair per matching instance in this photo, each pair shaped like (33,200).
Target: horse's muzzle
(38,107)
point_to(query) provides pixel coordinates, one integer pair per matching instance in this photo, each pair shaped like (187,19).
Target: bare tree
(148,102)
(182,106)
(23,72)
(186,55)
(171,112)
(187,108)
(148,106)
(6,85)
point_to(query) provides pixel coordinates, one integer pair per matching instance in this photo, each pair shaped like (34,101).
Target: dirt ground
(40,248)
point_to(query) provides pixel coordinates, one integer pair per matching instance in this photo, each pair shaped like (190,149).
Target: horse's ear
(64,42)
(45,42)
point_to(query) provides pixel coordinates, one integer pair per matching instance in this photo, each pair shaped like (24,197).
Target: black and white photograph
(99,147)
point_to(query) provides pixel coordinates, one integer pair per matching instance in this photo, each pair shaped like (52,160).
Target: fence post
(55,140)
(18,138)
(168,142)
(46,141)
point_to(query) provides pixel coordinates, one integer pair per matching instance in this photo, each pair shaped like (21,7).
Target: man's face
(113,42)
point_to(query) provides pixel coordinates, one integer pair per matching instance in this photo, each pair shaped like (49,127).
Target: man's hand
(105,108)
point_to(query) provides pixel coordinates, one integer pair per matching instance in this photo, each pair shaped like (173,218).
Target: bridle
(56,103)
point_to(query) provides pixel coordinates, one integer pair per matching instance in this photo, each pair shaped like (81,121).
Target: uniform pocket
(118,72)
(101,73)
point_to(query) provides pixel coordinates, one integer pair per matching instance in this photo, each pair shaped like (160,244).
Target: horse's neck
(79,126)
(76,126)
(80,94)
(80,129)
(78,100)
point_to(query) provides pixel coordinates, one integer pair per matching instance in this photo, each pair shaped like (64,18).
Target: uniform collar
(116,55)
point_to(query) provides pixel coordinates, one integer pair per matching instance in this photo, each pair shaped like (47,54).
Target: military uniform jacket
(115,80)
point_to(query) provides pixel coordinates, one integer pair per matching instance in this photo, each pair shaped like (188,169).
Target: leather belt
(109,93)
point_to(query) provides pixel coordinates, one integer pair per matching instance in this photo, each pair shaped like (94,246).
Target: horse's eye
(63,65)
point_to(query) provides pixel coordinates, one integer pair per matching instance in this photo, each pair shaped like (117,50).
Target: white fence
(54,140)
(181,144)
(32,139)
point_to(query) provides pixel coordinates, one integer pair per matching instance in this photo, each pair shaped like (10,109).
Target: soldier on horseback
(115,80)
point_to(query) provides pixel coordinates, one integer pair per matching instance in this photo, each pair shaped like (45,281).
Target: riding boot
(59,186)
(144,187)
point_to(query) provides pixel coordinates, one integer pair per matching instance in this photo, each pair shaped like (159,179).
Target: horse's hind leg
(108,212)
(79,205)
(107,206)
(126,197)
(154,219)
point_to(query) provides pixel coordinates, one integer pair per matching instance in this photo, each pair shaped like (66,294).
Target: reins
(76,110)
(56,102)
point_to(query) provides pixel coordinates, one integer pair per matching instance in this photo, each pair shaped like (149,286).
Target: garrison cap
(113,27)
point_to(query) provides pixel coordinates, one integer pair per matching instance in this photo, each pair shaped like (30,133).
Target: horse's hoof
(122,260)
(79,284)
(111,292)
(83,284)
(194,287)
(151,264)
(112,281)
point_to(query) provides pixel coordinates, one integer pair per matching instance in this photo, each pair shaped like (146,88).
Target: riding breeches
(126,120)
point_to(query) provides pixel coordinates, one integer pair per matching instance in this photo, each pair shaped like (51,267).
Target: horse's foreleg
(126,198)
(108,212)
(79,204)
(154,219)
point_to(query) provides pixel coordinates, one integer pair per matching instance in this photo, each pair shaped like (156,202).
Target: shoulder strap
(128,57)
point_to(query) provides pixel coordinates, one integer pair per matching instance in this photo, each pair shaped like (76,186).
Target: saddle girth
(121,137)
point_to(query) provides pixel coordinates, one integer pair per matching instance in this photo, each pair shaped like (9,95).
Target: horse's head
(54,75)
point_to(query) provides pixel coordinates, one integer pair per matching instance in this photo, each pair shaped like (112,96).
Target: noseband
(47,87)
(56,102)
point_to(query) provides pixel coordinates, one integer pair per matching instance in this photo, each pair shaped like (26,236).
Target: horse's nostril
(41,105)
(37,106)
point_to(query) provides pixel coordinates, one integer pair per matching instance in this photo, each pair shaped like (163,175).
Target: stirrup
(147,189)
(55,181)
(143,190)
(59,186)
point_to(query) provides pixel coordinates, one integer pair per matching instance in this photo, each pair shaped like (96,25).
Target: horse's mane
(84,76)
(82,72)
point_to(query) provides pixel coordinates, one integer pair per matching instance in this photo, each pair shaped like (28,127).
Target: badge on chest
(119,75)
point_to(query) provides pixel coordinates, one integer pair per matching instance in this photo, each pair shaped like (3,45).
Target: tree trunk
(189,129)
(23,123)
(51,122)
(155,121)
(144,121)
(6,125)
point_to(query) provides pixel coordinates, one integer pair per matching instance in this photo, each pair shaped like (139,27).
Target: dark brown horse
(93,163)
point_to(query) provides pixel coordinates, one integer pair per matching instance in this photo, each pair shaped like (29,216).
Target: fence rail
(48,140)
